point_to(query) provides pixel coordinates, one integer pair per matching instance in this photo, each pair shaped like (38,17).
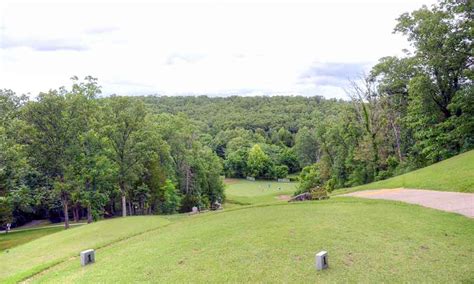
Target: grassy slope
(32,257)
(244,192)
(367,240)
(24,234)
(14,239)
(455,174)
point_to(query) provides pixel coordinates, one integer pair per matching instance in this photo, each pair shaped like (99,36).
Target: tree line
(407,112)
(69,153)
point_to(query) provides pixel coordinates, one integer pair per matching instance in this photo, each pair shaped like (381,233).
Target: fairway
(244,192)
(367,240)
(250,142)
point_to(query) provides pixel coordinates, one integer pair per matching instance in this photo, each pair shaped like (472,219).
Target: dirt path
(457,202)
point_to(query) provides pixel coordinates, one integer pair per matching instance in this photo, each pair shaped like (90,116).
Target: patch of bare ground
(283,197)
(230,180)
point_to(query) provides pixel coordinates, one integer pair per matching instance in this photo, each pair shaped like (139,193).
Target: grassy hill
(367,240)
(268,241)
(27,259)
(14,238)
(454,174)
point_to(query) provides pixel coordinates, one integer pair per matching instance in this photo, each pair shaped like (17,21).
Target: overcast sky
(178,48)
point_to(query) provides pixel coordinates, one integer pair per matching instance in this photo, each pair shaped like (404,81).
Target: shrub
(280,171)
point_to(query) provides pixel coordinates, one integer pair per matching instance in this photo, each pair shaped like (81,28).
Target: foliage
(412,111)
(6,215)
(171,199)
(280,171)
(310,177)
(258,163)
(306,147)
(68,151)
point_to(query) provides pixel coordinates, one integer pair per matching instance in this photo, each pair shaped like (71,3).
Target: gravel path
(457,202)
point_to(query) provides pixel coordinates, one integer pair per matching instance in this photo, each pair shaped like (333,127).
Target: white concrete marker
(87,257)
(322,260)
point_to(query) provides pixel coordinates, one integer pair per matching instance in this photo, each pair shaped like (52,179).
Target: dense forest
(71,153)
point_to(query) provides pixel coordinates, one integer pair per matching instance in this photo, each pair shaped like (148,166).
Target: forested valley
(72,153)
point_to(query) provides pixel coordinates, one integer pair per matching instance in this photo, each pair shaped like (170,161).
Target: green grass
(25,260)
(454,174)
(244,192)
(14,239)
(268,240)
(367,240)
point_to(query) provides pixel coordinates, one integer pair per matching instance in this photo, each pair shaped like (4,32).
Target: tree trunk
(89,214)
(397,140)
(124,205)
(112,206)
(375,148)
(66,214)
(130,208)
(124,199)
(74,214)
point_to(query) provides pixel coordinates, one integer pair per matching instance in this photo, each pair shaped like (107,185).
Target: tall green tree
(49,137)
(124,126)
(306,147)
(443,52)
(440,36)
(257,161)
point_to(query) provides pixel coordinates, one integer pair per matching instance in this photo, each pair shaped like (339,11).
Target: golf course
(237,141)
(261,238)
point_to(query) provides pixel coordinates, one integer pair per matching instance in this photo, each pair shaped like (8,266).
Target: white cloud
(201,48)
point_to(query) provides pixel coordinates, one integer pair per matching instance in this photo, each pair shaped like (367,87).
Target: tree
(309,178)
(6,214)
(306,147)
(289,159)
(257,162)
(50,135)
(124,128)
(171,199)
(371,116)
(280,171)
(88,166)
(284,137)
(392,77)
(235,163)
(440,37)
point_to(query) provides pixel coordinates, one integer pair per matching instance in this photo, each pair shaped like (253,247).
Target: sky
(217,48)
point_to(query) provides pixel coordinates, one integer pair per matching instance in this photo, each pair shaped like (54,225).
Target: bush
(188,202)
(309,178)
(318,193)
(171,199)
(280,171)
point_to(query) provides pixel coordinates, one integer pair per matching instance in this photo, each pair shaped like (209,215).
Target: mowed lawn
(27,233)
(244,192)
(16,238)
(367,240)
(27,259)
(454,174)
